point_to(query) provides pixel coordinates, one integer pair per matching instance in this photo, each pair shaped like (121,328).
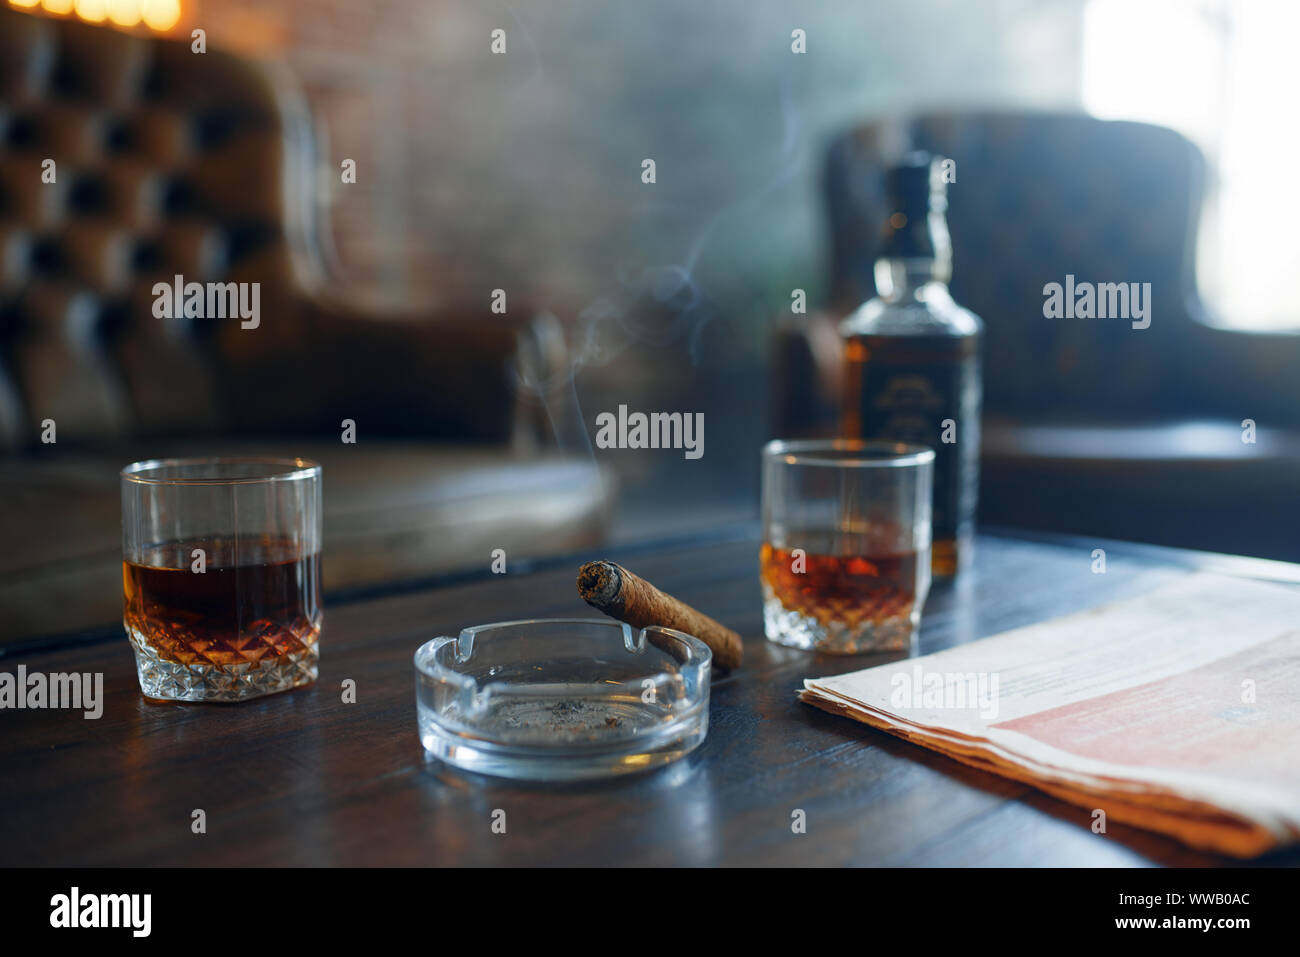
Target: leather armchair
(166,163)
(1090,427)
(169,163)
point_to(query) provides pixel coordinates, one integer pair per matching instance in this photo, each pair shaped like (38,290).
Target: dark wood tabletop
(303,778)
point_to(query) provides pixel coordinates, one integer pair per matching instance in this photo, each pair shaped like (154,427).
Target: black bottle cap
(914,226)
(915,184)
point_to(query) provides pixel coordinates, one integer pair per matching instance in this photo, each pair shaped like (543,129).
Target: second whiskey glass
(845,562)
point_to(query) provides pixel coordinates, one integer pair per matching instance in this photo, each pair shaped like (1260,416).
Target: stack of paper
(1178,711)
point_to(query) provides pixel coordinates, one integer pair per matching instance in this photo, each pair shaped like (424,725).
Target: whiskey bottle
(912,369)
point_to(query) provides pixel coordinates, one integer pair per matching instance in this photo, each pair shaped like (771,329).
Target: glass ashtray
(562,699)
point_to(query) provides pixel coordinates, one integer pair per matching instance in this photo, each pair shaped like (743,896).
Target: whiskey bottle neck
(904,280)
(915,253)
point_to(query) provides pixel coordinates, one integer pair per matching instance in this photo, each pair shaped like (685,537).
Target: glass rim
(855,453)
(429,666)
(291,470)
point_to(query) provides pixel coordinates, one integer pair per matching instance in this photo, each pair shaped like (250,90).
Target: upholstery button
(101,66)
(178,197)
(146,257)
(89,195)
(119,136)
(47,258)
(213,130)
(21,132)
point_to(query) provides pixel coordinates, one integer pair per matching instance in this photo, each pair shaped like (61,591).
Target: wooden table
(305,779)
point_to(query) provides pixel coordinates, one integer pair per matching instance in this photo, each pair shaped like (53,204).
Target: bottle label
(934,404)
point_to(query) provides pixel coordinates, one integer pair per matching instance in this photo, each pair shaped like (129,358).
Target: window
(1223,73)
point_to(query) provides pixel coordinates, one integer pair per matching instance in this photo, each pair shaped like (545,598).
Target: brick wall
(523,170)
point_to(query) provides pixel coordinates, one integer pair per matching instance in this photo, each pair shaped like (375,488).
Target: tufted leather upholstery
(170,162)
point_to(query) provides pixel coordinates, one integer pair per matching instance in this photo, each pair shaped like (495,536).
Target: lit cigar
(618,593)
